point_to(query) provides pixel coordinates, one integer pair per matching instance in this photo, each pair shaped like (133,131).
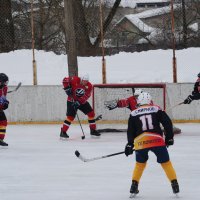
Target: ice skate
(2,143)
(134,189)
(63,134)
(94,133)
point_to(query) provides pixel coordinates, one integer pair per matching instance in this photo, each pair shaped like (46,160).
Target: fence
(122,26)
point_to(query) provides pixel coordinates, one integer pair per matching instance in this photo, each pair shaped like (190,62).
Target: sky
(139,67)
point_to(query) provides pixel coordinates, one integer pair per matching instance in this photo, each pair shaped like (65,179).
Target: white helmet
(85,77)
(137,92)
(144,98)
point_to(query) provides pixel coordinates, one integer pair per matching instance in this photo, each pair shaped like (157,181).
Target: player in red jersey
(3,106)
(144,134)
(78,90)
(195,93)
(130,102)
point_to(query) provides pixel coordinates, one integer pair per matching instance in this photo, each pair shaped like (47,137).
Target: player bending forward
(78,90)
(144,134)
(3,106)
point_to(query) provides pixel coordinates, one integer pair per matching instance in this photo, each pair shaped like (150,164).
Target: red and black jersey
(144,123)
(130,103)
(3,91)
(80,92)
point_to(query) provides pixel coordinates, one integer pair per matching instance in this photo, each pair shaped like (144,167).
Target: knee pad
(91,115)
(70,118)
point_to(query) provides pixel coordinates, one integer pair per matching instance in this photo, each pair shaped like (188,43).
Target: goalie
(131,103)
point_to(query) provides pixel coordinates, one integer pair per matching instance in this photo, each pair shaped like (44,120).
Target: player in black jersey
(144,134)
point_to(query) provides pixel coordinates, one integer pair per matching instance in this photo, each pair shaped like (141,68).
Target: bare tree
(7,38)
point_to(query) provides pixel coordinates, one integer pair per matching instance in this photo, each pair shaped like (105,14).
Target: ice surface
(37,165)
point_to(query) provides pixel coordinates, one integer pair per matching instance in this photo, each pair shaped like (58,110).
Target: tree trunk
(7,38)
(71,38)
(184,24)
(107,21)
(83,43)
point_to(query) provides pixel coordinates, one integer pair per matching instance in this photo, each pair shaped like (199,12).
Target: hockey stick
(99,117)
(18,86)
(83,136)
(174,106)
(78,155)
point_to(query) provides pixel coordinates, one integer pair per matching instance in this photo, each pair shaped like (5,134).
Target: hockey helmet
(144,98)
(85,79)
(3,80)
(137,92)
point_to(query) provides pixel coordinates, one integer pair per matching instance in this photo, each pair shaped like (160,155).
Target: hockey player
(130,102)
(78,90)
(195,93)
(3,106)
(144,134)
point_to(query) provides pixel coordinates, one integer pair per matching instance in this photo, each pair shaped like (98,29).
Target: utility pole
(173,43)
(102,44)
(33,46)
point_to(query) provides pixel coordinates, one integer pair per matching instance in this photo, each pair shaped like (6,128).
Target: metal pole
(173,44)
(102,44)
(33,47)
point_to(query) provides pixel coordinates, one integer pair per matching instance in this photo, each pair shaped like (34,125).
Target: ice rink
(37,165)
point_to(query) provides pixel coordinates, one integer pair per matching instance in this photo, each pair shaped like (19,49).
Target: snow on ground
(38,165)
(139,67)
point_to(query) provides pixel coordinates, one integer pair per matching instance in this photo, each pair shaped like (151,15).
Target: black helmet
(198,75)
(3,80)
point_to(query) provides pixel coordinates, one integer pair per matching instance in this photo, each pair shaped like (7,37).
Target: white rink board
(48,103)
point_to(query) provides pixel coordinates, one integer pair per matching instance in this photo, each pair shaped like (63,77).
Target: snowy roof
(151,1)
(132,3)
(194,27)
(136,18)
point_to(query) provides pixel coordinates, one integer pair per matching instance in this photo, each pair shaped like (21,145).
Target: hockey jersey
(144,127)
(80,92)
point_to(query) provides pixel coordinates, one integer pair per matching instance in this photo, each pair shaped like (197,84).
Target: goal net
(116,120)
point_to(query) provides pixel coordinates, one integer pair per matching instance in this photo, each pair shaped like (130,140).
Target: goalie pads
(110,105)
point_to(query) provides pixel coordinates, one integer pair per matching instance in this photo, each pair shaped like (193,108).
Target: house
(133,27)
(152,3)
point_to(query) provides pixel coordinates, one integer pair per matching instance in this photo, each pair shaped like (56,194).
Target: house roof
(136,19)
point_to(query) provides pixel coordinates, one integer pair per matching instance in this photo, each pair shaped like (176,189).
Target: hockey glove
(188,100)
(111,106)
(68,91)
(3,103)
(128,149)
(76,104)
(169,142)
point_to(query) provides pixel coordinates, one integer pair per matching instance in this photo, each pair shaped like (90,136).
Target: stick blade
(77,153)
(18,86)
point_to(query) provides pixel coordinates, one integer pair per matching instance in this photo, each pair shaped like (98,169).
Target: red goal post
(108,92)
